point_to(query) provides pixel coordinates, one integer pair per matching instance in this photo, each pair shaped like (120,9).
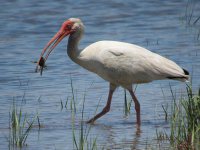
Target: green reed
(185,121)
(184,133)
(82,141)
(20,126)
(127,104)
(71,100)
(81,136)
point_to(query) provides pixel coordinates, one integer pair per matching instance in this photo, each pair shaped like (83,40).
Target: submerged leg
(137,106)
(107,107)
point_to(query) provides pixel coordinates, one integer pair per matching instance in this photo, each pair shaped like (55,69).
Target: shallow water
(26,27)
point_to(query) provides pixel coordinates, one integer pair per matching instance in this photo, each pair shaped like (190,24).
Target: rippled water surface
(25,28)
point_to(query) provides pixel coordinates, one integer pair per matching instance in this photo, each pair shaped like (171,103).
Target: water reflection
(119,140)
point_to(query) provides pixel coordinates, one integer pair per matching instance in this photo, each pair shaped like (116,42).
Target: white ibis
(121,64)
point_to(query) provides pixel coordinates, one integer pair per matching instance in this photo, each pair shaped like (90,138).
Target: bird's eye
(68,27)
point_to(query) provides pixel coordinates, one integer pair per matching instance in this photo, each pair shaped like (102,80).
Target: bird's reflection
(119,139)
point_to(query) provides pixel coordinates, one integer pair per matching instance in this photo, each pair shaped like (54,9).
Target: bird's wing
(118,59)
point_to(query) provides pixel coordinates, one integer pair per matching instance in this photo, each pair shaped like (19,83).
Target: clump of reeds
(19,125)
(185,121)
(82,140)
(127,105)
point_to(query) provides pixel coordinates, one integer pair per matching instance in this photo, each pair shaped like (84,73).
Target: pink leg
(106,108)
(137,106)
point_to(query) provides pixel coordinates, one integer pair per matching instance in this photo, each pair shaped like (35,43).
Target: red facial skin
(65,30)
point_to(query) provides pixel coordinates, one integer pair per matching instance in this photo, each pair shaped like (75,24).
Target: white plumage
(125,64)
(122,64)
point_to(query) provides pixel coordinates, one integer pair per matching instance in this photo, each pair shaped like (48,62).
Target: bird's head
(72,26)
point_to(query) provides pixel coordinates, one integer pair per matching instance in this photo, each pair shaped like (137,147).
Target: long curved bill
(49,48)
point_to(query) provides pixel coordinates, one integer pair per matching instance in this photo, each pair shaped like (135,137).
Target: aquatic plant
(82,140)
(185,121)
(127,105)
(19,126)
(81,137)
(71,100)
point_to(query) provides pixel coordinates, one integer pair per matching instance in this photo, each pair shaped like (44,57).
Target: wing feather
(130,63)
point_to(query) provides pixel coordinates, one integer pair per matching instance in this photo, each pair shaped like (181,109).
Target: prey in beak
(41,64)
(66,29)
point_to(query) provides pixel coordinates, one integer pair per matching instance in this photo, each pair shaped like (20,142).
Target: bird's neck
(72,48)
(75,53)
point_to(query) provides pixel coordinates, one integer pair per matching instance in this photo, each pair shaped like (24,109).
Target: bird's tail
(183,78)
